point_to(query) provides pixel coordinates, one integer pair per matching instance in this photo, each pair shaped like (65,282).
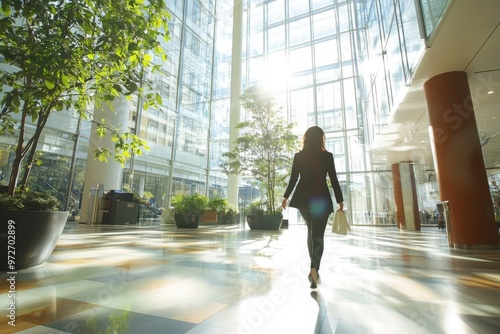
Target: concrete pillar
(405,195)
(234,118)
(459,162)
(142,184)
(107,175)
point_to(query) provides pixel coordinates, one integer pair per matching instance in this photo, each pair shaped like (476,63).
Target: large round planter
(187,220)
(27,238)
(264,222)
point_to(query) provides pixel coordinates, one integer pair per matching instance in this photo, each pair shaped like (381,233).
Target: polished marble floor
(230,280)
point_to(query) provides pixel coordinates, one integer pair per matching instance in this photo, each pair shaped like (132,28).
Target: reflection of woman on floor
(311,196)
(322,322)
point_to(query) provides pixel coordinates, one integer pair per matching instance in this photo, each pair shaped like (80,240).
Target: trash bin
(96,191)
(123,213)
(440,217)
(122,209)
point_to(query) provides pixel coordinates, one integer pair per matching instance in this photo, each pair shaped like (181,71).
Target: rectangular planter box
(209,217)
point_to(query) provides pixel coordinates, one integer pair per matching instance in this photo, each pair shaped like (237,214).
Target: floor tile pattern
(232,280)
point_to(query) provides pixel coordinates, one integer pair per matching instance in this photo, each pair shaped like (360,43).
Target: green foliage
(190,204)
(53,170)
(231,210)
(222,206)
(117,323)
(72,55)
(218,204)
(265,148)
(30,200)
(125,144)
(261,208)
(138,199)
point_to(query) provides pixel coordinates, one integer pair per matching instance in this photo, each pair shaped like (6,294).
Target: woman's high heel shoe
(313,278)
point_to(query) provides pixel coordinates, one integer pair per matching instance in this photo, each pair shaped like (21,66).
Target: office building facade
(341,65)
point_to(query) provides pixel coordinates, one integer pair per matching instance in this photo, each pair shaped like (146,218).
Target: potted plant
(259,218)
(68,55)
(265,151)
(226,212)
(33,224)
(188,209)
(230,215)
(212,212)
(217,205)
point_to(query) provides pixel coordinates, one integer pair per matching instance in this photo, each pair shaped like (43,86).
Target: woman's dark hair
(314,139)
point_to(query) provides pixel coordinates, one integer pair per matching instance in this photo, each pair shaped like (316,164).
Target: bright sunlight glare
(276,75)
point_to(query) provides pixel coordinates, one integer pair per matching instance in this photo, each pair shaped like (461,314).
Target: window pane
(300,32)
(276,11)
(324,24)
(298,8)
(276,37)
(300,59)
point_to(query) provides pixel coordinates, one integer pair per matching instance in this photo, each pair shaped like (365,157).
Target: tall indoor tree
(74,55)
(265,148)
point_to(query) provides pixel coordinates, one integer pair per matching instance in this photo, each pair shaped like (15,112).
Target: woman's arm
(332,173)
(293,178)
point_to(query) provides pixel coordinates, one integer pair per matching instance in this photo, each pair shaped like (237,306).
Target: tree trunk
(14,174)
(27,169)
(16,166)
(32,144)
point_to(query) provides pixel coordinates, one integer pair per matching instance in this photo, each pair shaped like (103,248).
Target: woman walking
(311,196)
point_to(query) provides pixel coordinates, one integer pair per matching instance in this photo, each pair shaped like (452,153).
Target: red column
(398,197)
(459,163)
(413,186)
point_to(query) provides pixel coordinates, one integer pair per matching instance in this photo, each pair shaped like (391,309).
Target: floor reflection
(322,321)
(229,279)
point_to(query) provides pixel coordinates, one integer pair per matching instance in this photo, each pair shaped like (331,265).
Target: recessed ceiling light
(490,92)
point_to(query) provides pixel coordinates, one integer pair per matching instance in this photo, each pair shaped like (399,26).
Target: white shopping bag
(340,224)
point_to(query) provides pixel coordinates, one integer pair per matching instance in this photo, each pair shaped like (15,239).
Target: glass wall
(179,132)
(60,159)
(342,65)
(432,12)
